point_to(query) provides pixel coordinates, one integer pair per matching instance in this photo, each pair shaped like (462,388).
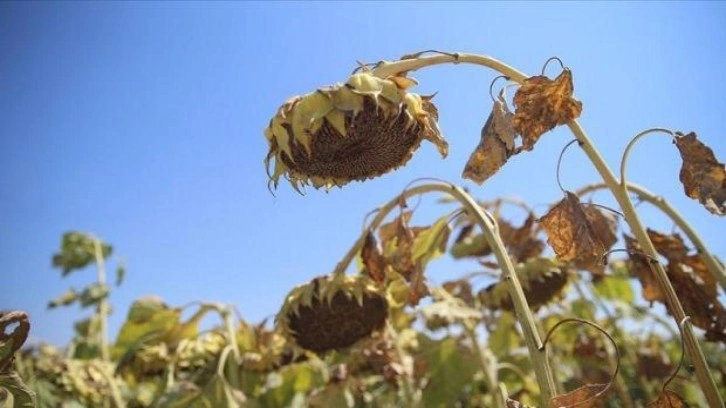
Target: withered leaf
(542,281)
(690,279)
(668,399)
(541,104)
(461,289)
(640,268)
(605,226)
(587,396)
(496,144)
(521,242)
(570,233)
(703,177)
(516,404)
(14,329)
(373,260)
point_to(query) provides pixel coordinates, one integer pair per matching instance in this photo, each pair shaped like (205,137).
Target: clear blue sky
(142,123)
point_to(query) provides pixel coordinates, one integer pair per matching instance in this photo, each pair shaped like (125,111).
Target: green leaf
(67,298)
(431,243)
(22,396)
(77,251)
(505,337)
(148,319)
(616,287)
(120,274)
(451,367)
(93,294)
(476,246)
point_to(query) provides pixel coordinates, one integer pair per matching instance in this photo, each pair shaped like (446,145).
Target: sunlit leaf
(496,144)
(587,396)
(570,233)
(450,368)
(14,329)
(668,399)
(77,251)
(703,177)
(541,104)
(373,260)
(67,298)
(22,396)
(93,294)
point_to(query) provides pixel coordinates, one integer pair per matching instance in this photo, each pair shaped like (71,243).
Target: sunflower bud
(331,313)
(358,130)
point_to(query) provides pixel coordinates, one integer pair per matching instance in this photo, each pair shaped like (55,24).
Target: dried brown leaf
(373,260)
(18,326)
(496,144)
(521,242)
(541,104)
(640,268)
(461,289)
(516,404)
(542,281)
(695,287)
(668,399)
(587,396)
(703,177)
(570,233)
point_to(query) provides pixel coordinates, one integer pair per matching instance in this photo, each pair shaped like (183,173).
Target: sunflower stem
(716,268)
(532,337)
(619,190)
(489,367)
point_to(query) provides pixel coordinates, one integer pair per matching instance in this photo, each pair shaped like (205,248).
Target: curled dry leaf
(521,242)
(587,396)
(571,235)
(541,104)
(408,249)
(11,341)
(668,399)
(694,285)
(703,177)
(496,145)
(373,260)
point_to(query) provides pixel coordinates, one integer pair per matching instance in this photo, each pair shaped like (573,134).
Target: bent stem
(706,381)
(532,337)
(714,266)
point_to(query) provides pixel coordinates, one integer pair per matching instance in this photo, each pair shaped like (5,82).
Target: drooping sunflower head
(330,313)
(358,130)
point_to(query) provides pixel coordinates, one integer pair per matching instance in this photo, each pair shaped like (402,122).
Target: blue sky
(142,123)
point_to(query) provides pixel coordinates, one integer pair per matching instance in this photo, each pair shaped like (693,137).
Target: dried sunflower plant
(550,318)
(372,124)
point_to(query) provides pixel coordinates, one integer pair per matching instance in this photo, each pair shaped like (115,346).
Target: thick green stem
(693,349)
(714,266)
(532,336)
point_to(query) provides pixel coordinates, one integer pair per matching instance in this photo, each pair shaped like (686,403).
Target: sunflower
(332,312)
(356,130)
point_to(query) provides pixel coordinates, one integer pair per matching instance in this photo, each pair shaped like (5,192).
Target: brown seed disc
(374,145)
(321,327)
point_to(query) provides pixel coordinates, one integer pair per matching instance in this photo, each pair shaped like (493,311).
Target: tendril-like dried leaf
(541,104)
(570,233)
(496,144)
(703,177)
(587,396)
(373,260)
(668,399)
